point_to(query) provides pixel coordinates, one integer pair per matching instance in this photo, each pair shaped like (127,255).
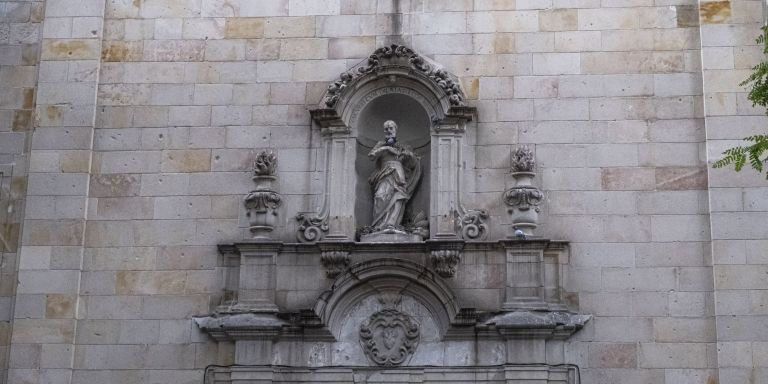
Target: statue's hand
(392,150)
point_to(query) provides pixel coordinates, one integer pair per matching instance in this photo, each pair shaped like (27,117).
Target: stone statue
(397,175)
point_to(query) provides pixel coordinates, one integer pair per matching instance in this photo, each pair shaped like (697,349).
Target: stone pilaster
(341,185)
(446,158)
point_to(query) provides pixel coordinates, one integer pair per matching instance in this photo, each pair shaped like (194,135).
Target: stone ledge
(558,325)
(534,324)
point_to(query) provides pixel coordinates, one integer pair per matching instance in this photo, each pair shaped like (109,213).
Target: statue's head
(390,129)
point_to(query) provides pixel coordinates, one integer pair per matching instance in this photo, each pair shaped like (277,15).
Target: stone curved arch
(379,276)
(432,86)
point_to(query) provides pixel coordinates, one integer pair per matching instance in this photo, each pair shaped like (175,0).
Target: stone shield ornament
(389,337)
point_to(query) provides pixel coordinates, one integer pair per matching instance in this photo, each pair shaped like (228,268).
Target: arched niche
(386,276)
(413,130)
(428,105)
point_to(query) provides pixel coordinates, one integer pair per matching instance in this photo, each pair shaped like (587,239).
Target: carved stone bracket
(439,76)
(335,262)
(335,257)
(445,261)
(445,256)
(389,337)
(471,223)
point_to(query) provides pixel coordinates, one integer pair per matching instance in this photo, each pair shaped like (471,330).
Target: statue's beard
(390,140)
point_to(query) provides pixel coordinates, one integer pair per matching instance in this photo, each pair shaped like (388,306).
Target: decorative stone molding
(524,198)
(439,76)
(263,202)
(389,337)
(312,227)
(335,262)
(471,223)
(445,261)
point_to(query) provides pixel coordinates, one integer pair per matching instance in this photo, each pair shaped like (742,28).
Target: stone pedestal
(524,289)
(256,292)
(390,236)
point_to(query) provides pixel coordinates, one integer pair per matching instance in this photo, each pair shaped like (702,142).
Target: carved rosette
(335,262)
(262,203)
(417,62)
(524,198)
(389,337)
(471,223)
(445,261)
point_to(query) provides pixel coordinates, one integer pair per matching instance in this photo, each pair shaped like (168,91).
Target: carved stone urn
(523,198)
(262,203)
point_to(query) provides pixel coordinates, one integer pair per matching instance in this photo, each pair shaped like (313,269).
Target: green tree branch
(758,95)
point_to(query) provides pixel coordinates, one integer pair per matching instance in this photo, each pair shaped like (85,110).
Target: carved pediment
(397,55)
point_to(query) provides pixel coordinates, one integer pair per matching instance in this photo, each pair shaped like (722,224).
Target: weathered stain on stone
(22,120)
(715,12)
(137,3)
(665,63)
(245,28)
(53,112)
(58,306)
(112,185)
(9,237)
(5,333)
(116,51)
(49,232)
(472,87)
(18,187)
(610,355)
(681,178)
(174,50)
(37,13)
(29,54)
(55,331)
(150,282)
(504,43)
(687,16)
(571,299)
(75,162)
(627,179)
(69,49)
(194,160)
(28,98)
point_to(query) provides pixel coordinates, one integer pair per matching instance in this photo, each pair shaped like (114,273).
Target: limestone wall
(20,26)
(149,113)
(738,201)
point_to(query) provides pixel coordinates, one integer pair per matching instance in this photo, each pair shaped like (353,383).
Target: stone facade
(128,131)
